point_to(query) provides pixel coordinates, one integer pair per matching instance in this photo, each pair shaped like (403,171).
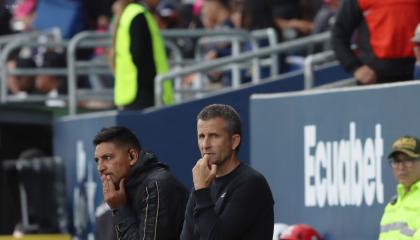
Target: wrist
(199,186)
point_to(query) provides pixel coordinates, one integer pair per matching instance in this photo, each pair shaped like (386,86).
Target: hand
(114,198)
(203,174)
(365,75)
(211,55)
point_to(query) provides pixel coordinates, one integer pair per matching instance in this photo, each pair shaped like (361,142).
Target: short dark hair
(121,136)
(226,112)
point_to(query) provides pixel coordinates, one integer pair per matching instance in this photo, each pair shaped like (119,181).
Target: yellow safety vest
(401,218)
(126,73)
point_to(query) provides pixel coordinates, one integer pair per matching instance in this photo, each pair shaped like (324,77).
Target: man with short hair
(230,199)
(147,202)
(401,218)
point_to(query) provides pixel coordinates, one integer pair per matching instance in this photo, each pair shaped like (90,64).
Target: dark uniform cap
(408,145)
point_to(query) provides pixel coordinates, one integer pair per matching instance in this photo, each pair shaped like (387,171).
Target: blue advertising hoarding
(324,153)
(169,132)
(73,142)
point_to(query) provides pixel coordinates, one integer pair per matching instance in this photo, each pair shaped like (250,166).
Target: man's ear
(236,139)
(133,156)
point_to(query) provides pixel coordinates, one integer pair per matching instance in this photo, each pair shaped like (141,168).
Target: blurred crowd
(290,19)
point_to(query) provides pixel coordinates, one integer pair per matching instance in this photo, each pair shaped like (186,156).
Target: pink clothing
(24,8)
(198,4)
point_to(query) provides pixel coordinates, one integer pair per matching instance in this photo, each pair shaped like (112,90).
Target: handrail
(24,40)
(282,47)
(12,37)
(13,43)
(75,42)
(3,60)
(235,41)
(176,33)
(342,83)
(89,39)
(311,61)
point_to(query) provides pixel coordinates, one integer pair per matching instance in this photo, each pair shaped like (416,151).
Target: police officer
(401,218)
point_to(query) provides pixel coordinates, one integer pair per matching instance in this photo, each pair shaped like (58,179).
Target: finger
(110,184)
(206,159)
(104,183)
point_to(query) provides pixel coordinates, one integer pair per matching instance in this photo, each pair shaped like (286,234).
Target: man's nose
(206,143)
(100,166)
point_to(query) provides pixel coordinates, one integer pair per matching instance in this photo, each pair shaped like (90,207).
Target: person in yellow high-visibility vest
(401,218)
(139,55)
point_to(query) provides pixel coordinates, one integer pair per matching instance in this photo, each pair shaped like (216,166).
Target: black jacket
(155,202)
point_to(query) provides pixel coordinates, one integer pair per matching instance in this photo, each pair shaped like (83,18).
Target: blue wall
(73,142)
(169,132)
(340,191)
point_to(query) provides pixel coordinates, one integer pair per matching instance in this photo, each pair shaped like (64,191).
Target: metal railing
(179,68)
(215,64)
(235,42)
(313,60)
(15,42)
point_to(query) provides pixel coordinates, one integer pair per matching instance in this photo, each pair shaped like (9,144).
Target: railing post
(158,90)
(310,62)
(3,63)
(308,72)
(236,74)
(71,67)
(272,38)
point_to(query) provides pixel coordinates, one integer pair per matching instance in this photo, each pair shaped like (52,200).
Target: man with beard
(147,202)
(230,199)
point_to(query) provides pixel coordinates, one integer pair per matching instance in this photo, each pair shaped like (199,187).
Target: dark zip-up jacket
(156,203)
(384,30)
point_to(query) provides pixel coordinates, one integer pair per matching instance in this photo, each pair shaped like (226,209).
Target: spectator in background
(416,41)
(24,15)
(288,16)
(215,15)
(97,81)
(51,84)
(401,217)
(5,21)
(102,26)
(139,55)
(324,19)
(384,30)
(254,15)
(168,16)
(21,84)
